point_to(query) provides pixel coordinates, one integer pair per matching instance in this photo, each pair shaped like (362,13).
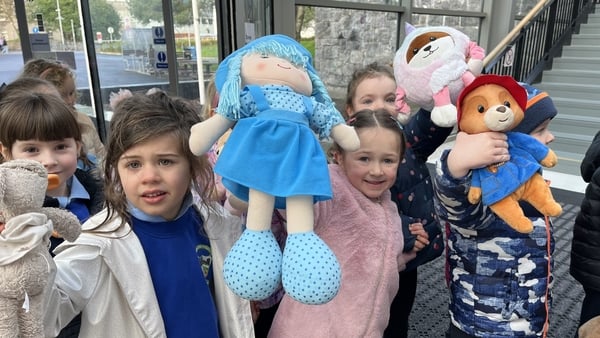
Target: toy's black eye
(264,55)
(415,51)
(506,103)
(432,38)
(480,108)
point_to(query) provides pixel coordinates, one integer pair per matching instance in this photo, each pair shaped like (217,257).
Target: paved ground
(430,319)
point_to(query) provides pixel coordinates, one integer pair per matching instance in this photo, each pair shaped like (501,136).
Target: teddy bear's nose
(501,109)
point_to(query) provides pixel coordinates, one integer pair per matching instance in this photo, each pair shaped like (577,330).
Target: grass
(310,45)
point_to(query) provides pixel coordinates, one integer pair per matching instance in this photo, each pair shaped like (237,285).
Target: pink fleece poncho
(366,238)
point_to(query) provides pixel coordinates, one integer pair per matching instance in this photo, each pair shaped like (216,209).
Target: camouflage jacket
(499,279)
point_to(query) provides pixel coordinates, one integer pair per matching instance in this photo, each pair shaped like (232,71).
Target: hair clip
(351,121)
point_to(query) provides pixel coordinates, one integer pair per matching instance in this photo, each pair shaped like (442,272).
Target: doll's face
(261,69)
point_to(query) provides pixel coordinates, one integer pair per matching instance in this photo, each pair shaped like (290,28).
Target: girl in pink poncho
(362,227)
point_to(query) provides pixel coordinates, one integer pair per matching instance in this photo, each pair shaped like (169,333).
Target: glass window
(129,44)
(253,20)
(379,2)
(469,26)
(10,56)
(132,53)
(522,7)
(457,5)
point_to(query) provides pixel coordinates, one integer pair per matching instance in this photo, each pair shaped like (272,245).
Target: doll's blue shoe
(252,268)
(310,271)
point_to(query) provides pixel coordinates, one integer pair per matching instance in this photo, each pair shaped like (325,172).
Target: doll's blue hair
(228,76)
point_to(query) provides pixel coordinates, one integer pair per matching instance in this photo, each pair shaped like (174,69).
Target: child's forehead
(37,140)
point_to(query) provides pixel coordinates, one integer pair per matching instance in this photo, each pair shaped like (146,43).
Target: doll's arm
(345,136)
(204,134)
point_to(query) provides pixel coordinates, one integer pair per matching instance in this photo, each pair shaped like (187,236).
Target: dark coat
(94,186)
(413,191)
(585,250)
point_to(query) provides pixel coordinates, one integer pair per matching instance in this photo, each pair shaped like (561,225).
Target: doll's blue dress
(273,148)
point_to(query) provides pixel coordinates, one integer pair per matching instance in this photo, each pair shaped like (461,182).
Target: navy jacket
(413,191)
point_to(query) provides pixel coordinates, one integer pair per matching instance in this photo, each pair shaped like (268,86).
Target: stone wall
(349,39)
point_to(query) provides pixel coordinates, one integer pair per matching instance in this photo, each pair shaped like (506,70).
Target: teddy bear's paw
(444,116)
(252,268)
(475,66)
(551,209)
(403,118)
(550,160)
(311,273)
(522,225)
(474,195)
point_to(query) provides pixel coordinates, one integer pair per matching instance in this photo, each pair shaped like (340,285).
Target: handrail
(514,32)
(529,48)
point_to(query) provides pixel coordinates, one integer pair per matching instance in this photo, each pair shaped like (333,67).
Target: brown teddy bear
(497,103)
(25,263)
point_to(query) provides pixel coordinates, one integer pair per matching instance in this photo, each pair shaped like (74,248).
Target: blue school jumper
(178,257)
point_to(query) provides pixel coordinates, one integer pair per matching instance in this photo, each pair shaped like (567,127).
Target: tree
(7,12)
(103,16)
(49,11)
(151,10)
(304,15)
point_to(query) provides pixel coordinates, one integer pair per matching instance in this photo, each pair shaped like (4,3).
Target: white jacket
(104,275)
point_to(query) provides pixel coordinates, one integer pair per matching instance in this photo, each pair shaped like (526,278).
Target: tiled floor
(430,313)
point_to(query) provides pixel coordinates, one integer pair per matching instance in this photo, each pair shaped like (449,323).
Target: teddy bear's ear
(408,28)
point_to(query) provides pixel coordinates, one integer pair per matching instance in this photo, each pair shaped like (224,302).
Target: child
(585,261)
(374,87)
(41,127)
(362,227)
(31,84)
(150,264)
(63,78)
(499,279)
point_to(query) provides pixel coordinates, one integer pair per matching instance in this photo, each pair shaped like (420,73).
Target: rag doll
(272,93)
(497,103)
(25,263)
(431,67)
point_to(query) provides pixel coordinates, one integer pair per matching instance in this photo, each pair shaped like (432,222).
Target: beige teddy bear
(25,263)
(591,328)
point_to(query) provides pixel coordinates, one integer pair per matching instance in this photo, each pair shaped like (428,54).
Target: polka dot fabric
(311,273)
(252,268)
